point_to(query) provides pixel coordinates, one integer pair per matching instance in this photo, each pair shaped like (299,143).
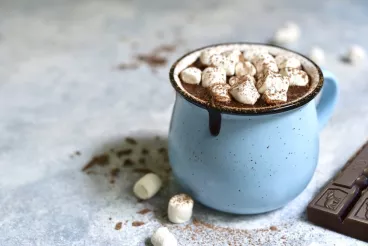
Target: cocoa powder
(137,223)
(144,211)
(101,160)
(118,225)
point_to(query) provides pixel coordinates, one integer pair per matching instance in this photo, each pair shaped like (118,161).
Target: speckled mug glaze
(260,159)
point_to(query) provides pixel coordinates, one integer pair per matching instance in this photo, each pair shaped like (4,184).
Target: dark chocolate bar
(342,206)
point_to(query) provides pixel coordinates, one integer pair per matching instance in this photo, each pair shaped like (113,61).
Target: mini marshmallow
(180,208)
(191,75)
(296,77)
(245,91)
(283,62)
(238,79)
(355,54)
(249,55)
(163,237)
(265,61)
(245,68)
(317,55)
(272,80)
(147,186)
(288,33)
(228,65)
(212,75)
(205,56)
(233,80)
(220,92)
(273,96)
(232,55)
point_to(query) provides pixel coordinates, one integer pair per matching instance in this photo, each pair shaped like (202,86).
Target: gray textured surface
(60,92)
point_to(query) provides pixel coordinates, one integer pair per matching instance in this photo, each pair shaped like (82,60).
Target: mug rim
(247,111)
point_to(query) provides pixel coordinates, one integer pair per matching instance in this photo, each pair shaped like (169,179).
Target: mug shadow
(120,162)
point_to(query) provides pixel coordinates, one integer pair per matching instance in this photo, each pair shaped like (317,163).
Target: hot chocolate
(246,76)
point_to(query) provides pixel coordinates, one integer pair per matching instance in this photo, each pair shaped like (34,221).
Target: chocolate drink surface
(250,78)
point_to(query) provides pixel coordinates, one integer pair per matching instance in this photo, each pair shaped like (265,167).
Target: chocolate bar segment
(357,221)
(332,205)
(342,205)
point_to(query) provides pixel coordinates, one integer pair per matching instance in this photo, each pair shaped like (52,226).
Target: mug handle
(328,100)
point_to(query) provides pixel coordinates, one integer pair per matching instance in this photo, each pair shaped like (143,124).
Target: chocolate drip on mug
(214,121)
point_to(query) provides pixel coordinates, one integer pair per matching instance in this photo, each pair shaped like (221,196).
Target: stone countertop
(63,88)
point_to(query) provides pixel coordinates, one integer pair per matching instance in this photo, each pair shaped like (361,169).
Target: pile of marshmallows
(179,209)
(258,74)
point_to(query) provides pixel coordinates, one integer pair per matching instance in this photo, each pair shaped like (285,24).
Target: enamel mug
(248,161)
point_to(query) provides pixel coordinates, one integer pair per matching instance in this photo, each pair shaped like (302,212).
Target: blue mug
(248,161)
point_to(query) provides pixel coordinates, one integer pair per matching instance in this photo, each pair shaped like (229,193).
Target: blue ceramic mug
(248,161)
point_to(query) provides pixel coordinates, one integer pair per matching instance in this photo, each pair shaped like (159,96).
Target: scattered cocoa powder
(273,228)
(142,170)
(137,223)
(77,152)
(110,218)
(128,163)
(131,141)
(144,211)
(162,150)
(118,225)
(224,235)
(145,151)
(115,172)
(283,237)
(181,198)
(127,66)
(196,222)
(165,48)
(101,160)
(91,172)
(141,160)
(153,60)
(123,152)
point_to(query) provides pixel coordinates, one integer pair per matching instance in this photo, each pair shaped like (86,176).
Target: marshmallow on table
(227,64)
(205,56)
(163,237)
(355,54)
(147,186)
(180,208)
(212,75)
(265,61)
(272,80)
(244,91)
(317,55)
(220,92)
(288,33)
(296,77)
(191,75)
(245,68)
(283,62)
